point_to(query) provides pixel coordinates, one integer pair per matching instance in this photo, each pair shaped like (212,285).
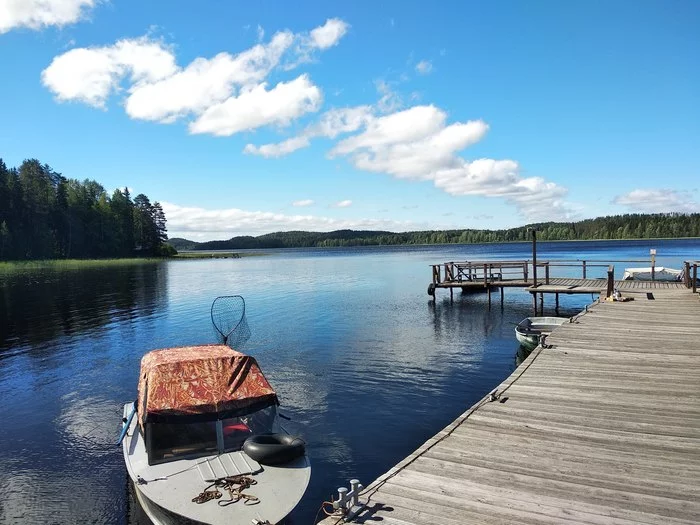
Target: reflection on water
(40,306)
(364,364)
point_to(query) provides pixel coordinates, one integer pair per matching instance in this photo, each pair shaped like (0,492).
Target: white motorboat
(661,273)
(529,330)
(205,445)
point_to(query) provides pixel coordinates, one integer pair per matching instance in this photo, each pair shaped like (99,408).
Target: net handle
(213,321)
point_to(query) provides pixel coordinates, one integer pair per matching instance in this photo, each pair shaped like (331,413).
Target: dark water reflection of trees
(38,306)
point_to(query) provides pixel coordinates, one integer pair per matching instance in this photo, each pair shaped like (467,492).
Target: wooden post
(686,274)
(652,252)
(541,304)
(695,277)
(611,281)
(534,301)
(534,258)
(501,297)
(584,269)
(556,303)
(451,294)
(488,292)
(525,270)
(546,274)
(486,275)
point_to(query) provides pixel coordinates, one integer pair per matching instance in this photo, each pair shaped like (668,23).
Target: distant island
(628,226)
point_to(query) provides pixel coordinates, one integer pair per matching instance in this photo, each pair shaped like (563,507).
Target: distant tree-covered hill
(629,226)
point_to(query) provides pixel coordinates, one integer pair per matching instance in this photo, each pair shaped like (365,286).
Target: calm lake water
(364,364)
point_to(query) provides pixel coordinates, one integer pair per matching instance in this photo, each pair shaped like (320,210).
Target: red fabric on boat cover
(199,380)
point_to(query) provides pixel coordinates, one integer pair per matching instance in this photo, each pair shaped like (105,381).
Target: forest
(44,215)
(628,226)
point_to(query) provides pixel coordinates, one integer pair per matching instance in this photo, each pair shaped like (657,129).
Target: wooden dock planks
(601,428)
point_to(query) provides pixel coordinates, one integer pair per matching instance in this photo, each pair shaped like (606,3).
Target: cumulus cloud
(419,144)
(37,14)
(224,94)
(259,107)
(331,124)
(302,203)
(424,67)
(205,82)
(329,34)
(91,75)
(343,204)
(202,224)
(657,201)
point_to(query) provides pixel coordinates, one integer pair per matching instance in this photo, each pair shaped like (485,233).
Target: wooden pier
(602,426)
(538,278)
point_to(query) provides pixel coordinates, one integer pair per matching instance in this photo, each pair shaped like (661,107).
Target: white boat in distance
(529,330)
(661,273)
(203,447)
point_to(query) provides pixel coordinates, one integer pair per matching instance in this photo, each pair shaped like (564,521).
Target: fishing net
(229,320)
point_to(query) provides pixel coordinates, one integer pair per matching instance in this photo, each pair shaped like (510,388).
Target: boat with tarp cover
(206,445)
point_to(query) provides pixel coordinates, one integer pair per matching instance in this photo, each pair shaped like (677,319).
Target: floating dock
(602,426)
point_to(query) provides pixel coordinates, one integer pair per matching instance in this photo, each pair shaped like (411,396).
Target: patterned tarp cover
(195,380)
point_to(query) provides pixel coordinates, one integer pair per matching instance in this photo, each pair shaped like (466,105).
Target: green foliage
(43,215)
(629,226)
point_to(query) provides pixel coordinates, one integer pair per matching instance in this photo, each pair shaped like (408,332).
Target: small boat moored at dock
(659,273)
(197,408)
(529,330)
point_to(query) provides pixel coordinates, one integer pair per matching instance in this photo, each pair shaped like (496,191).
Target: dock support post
(541,304)
(501,297)
(488,292)
(556,303)
(611,281)
(686,274)
(695,278)
(534,258)
(534,302)
(451,294)
(584,269)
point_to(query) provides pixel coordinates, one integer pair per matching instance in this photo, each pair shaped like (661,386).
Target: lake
(364,364)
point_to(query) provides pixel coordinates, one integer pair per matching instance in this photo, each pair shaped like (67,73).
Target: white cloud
(330,125)
(657,201)
(418,144)
(302,203)
(343,204)
(214,91)
(424,67)
(203,224)
(90,75)
(260,33)
(390,101)
(37,14)
(259,107)
(278,150)
(205,82)
(329,34)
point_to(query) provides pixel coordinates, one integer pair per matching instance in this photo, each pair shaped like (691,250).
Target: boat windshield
(169,441)
(237,429)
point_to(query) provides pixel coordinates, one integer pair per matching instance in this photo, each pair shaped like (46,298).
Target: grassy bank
(8,267)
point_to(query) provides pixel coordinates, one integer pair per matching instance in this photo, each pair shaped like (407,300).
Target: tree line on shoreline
(44,215)
(628,226)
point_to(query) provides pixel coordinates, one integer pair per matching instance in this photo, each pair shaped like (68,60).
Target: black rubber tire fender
(274,449)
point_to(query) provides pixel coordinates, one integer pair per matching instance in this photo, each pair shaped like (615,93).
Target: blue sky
(251,117)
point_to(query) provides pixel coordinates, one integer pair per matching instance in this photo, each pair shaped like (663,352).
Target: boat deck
(603,427)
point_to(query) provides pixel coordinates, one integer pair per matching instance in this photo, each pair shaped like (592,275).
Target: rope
(234,485)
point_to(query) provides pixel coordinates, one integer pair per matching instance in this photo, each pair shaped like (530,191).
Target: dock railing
(520,271)
(690,275)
